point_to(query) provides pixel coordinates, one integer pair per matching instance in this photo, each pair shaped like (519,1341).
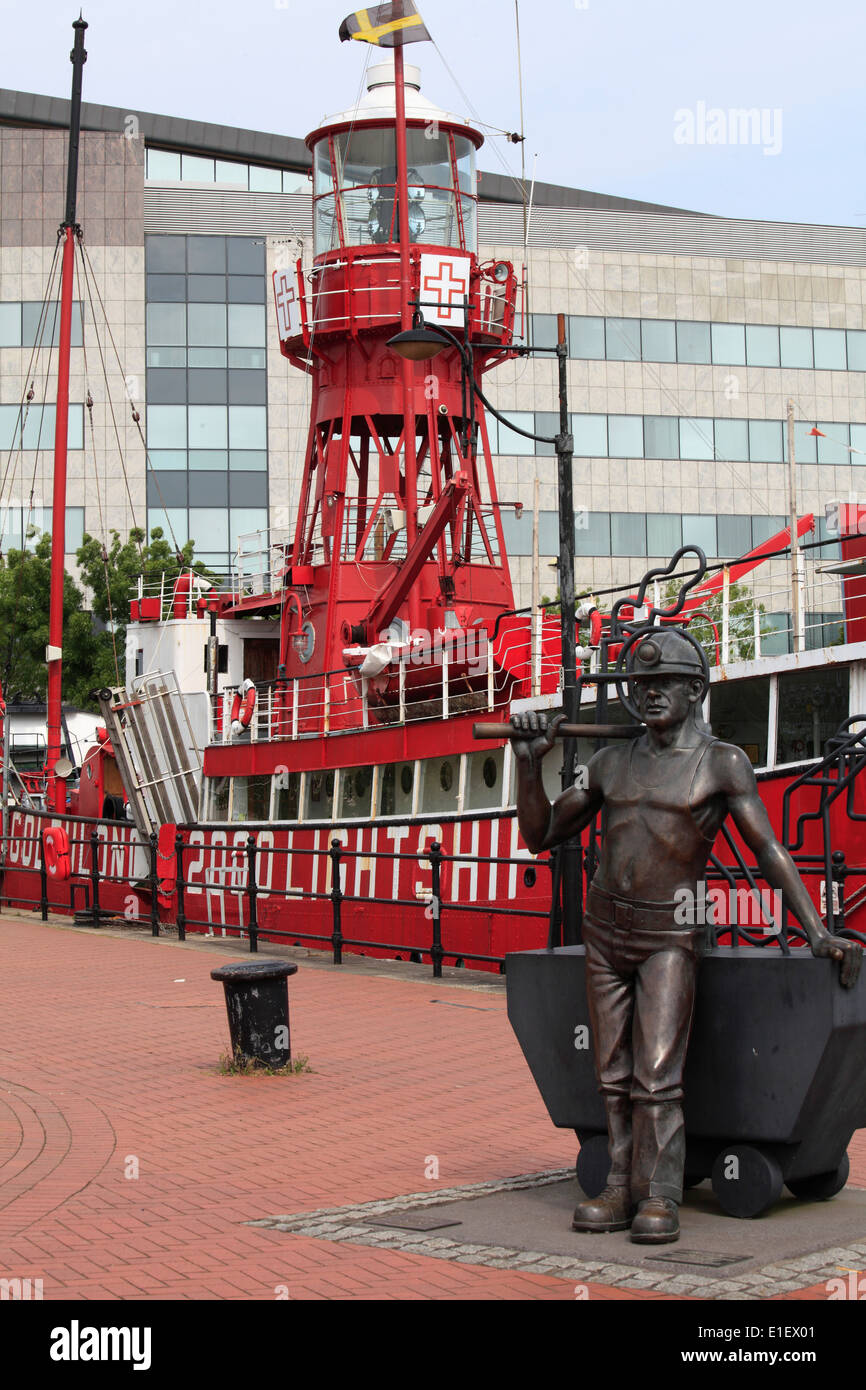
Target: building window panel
(693,342)
(166,357)
(225,171)
(195,168)
(246,289)
(625,436)
(728,342)
(627,533)
(209,529)
(856,350)
(586,336)
(206,255)
(34,314)
(208,489)
(833,449)
(166,489)
(206,289)
(250,358)
(166,288)
(206,357)
(658,340)
(207,324)
(590,436)
(858,440)
(162,459)
(804,442)
(765,441)
(248,489)
(701,530)
(246,325)
(253,461)
(172,523)
(208,459)
(208,426)
(594,537)
(765,527)
(248,427)
(548,531)
(166,324)
(762,345)
(263,180)
(696,439)
(664,534)
(163,165)
(732,440)
(10,325)
(246,255)
(661,436)
(295,181)
(517,532)
(830,349)
(543,330)
(795,347)
(208,387)
(623,340)
(244,521)
(166,387)
(166,426)
(734,536)
(247,388)
(165,255)
(546,423)
(509,441)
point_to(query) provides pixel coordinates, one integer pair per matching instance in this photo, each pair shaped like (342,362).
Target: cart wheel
(746,1180)
(593,1164)
(823,1185)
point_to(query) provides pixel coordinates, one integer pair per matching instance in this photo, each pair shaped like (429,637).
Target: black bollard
(257,1003)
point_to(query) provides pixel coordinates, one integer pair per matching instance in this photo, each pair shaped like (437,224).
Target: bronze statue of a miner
(666,794)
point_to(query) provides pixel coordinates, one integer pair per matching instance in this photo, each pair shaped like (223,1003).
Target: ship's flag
(387,26)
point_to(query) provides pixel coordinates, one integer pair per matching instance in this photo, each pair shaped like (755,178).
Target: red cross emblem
(286,298)
(449,289)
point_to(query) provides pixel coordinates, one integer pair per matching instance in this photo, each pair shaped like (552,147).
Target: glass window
(206,357)
(543,330)
(207,324)
(319,795)
(288,788)
(693,341)
(696,439)
(804,442)
(165,255)
(207,387)
(796,347)
(356,793)
(250,357)
(396,787)
(166,489)
(247,388)
(248,489)
(830,348)
(294,181)
(740,714)
(701,530)
(484,780)
(585,336)
(10,325)
(248,427)
(227,172)
(206,255)
(246,289)
(732,440)
(166,386)
(664,534)
(627,533)
(775,634)
(208,459)
(246,255)
(658,340)
(166,426)
(858,440)
(74,529)
(196,168)
(824,629)
(548,530)
(167,458)
(440,784)
(546,423)
(246,325)
(208,527)
(167,288)
(243,521)
(856,350)
(765,441)
(812,705)
(517,533)
(623,340)
(208,426)
(264,180)
(207,489)
(590,436)
(163,164)
(207,289)
(251,460)
(166,357)
(32,313)
(833,447)
(594,537)
(166,323)
(512,443)
(661,437)
(765,527)
(729,343)
(625,436)
(735,536)
(172,521)
(762,345)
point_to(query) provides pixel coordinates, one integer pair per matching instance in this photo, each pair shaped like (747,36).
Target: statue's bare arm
(542,824)
(737,780)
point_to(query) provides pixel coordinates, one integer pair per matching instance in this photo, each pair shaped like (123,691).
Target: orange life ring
(166,864)
(242,708)
(594,627)
(56,842)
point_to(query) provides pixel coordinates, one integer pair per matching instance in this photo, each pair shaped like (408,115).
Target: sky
(636,98)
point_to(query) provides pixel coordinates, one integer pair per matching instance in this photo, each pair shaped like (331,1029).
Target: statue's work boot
(611,1210)
(657,1222)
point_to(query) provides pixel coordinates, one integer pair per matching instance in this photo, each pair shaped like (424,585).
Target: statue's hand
(850,953)
(535,737)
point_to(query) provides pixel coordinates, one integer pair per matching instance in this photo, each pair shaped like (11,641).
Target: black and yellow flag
(387,26)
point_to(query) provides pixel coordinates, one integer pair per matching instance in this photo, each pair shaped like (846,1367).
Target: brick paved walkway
(110,1069)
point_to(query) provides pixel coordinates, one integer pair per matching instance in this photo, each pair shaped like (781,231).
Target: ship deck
(320,1183)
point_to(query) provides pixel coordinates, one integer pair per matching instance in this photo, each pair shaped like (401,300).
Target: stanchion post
(94,873)
(181,912)
(252,892)
(336,901)
(436,950)
(154,886)
(43,877)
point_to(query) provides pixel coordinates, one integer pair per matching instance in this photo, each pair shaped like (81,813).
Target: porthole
(446,777)
(489,772)
(305,642)
(406,779)
(529,877)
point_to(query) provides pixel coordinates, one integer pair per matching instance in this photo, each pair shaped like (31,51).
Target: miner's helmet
(666,652)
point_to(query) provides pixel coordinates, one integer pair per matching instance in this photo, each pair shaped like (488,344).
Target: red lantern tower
(398,552)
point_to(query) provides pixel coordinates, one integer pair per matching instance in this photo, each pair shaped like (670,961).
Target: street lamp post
(420,343)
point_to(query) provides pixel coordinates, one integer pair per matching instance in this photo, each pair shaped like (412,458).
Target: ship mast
(69,230)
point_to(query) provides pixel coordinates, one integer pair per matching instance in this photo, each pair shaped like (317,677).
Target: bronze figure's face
(664,701)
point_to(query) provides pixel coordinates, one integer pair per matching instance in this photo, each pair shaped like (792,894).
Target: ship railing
(259,562)
(383,533)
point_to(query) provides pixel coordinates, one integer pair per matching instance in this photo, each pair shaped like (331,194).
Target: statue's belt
(611,909)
